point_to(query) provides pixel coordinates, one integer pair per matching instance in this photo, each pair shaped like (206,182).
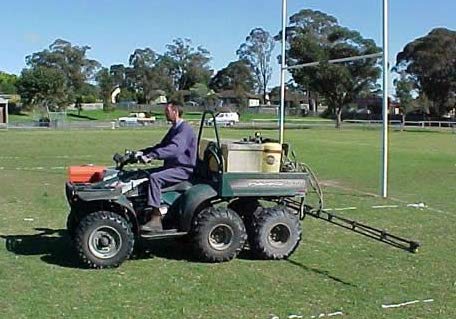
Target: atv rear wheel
(275,234)
(218,234)
(104,240)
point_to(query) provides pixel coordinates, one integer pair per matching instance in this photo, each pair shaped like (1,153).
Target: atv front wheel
(275,234)
(218,234)
(104,240)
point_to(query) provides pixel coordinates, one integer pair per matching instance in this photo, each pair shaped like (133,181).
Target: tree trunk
(403,121)
(338,117)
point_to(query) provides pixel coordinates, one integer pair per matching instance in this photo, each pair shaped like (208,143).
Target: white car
(225,118)
(136,119)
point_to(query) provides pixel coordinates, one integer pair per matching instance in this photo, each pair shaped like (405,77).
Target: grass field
(100,115)
(332,270)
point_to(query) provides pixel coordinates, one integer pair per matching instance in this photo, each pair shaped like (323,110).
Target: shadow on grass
(323,273)
(19,113)
(53,244)
(56,248)
(84,117)
(175,249)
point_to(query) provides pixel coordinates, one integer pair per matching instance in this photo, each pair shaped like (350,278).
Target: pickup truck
(134,119)
(225,118)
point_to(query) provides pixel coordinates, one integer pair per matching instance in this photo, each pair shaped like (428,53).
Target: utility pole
(282,71)
(385,102)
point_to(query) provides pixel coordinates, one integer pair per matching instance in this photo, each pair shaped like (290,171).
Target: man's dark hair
(176,107)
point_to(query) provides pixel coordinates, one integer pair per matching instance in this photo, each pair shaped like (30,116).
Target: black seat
(180,187)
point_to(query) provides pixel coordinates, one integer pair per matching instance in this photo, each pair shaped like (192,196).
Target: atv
(255,197)
(218,210)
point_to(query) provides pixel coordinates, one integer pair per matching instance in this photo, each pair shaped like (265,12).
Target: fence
(421,124)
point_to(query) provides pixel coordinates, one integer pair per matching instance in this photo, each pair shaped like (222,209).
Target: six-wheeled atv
(221,208)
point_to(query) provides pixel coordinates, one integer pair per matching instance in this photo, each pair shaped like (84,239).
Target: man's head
(173,112)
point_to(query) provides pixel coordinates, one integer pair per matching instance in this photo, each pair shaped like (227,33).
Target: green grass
(20,118)
(100,115)
(333,270)
(96,115)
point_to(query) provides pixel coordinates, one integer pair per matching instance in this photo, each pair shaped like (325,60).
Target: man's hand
(142,158)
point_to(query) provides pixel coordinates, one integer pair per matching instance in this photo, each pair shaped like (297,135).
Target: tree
(257,52)
(186,65)
(404,89)
(124,78)
(141,76)
(236,76)
(315,36)
(147,75)
(8,83)
(89,93)
(70,61)
(430,61)
(118,74)
(106,83)
(42,86)
(202,94)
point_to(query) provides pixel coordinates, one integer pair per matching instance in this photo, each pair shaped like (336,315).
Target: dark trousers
(165,177)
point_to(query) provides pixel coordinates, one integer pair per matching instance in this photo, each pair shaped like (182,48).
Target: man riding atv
(178,150)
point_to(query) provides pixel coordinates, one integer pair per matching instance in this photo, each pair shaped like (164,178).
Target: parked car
(225,118)
(134,119)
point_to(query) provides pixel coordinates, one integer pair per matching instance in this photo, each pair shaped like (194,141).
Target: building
(3,112)
(231,98)
(292,99)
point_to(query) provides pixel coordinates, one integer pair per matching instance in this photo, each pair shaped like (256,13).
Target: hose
(303,167)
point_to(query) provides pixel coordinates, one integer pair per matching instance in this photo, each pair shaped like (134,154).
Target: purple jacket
(178,147)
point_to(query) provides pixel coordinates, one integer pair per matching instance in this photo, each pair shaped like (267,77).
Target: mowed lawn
(333,270)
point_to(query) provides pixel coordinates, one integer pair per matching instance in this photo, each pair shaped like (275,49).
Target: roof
(290,96)
(233,94)
(3,101)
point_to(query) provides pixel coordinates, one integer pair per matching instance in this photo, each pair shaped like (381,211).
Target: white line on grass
(337,313)
(51,156)
(341,208)
(390,198)
(406,303)
(384,206)
(37,168)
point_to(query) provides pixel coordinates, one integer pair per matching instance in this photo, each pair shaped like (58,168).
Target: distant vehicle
(191,103)
(134,119)
(224,118)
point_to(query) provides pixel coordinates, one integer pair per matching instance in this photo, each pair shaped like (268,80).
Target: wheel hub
(221,237)
(279,235)
(105,242)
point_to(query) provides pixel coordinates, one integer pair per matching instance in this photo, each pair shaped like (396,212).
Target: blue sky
(114,28)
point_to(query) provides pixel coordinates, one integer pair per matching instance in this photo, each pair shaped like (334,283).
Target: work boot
(153,218)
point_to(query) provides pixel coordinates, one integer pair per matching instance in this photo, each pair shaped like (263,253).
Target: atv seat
(180,187)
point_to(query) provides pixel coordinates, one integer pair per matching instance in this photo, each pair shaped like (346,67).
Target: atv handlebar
(130,157)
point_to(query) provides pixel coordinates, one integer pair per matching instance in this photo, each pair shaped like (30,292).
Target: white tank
(251,157)
(272,157)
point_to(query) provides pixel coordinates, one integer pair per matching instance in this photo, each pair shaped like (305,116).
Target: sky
(115,28)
